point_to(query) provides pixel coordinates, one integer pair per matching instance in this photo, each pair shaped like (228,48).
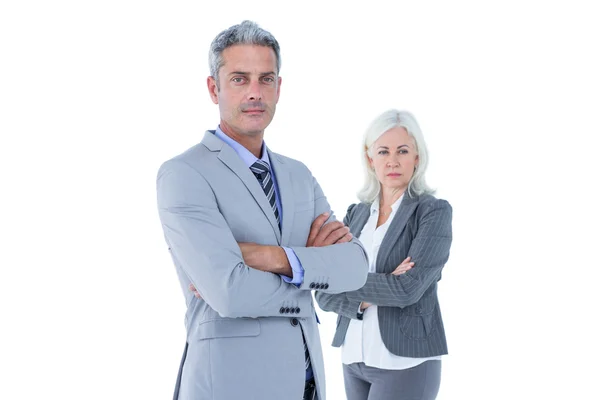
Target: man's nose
(254,91)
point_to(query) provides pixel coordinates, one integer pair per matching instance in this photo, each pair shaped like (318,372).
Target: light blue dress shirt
(249,159)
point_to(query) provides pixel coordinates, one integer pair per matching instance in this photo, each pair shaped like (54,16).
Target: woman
(391,330)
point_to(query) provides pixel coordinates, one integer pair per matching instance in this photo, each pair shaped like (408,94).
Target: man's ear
(213,89)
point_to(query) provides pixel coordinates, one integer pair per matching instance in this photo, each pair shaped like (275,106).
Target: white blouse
(363,340)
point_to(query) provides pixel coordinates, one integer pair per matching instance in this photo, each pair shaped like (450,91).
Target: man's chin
(254,129)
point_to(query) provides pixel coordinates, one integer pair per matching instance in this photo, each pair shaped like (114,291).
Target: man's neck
(253,143)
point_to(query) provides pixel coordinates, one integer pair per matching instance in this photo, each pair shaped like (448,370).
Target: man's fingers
(193,289)
(332,237)
(327,229)
(315,227)
(345,239)
(337,235)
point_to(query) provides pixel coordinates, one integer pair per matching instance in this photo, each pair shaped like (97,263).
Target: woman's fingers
(402,268)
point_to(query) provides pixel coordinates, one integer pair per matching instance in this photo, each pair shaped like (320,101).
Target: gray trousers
(417,383)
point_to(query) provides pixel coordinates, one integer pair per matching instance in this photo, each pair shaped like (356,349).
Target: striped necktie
(260,169)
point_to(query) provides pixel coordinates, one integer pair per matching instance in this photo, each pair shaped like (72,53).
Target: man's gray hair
(247,32)
(383,123)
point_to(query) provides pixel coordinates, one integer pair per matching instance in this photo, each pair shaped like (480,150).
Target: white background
(94,96)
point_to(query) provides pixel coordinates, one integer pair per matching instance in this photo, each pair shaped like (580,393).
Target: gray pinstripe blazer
(409,314)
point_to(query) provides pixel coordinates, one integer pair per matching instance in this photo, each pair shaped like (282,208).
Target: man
(246,230)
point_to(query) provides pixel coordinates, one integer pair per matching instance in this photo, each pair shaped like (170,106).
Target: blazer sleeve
(429,251)
(339,303)
(336,268)
(203,245)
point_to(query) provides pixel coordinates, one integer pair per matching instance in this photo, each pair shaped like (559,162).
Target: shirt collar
(243,152)
(395,206)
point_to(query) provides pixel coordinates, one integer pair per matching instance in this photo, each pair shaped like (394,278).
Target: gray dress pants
(421,382)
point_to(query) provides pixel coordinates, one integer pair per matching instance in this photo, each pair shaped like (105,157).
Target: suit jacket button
(326,286)
(297,310)
(287,310)
(281,310)
(294,322)
(312,285)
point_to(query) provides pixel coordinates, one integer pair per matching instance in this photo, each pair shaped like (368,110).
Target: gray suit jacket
(245,335)
(408,310)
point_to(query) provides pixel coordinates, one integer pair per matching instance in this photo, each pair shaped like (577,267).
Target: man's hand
(193,289)
(325,235)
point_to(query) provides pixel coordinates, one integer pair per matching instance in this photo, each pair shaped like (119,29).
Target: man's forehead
(249,59)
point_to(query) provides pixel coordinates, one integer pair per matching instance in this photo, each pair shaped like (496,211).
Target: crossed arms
(429,251)
(242,280)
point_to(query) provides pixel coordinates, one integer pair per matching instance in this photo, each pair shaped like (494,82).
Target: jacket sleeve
(342,267)
(339,303)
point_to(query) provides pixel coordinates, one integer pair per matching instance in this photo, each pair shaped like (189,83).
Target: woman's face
(394,159)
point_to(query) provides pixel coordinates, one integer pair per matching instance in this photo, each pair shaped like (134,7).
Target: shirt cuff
(297,270)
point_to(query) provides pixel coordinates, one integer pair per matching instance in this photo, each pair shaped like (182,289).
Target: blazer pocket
(418,327)
(226,328)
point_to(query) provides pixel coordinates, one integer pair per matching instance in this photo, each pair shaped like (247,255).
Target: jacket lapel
(229,157)
(360,218)
(407,208)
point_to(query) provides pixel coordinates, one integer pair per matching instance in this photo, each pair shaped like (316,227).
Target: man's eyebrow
(248,73)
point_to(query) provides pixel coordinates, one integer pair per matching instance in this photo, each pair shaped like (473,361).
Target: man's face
(248,89)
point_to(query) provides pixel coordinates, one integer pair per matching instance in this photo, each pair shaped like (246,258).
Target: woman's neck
(387,197)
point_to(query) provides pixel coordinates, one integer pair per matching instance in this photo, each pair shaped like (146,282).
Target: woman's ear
(369,161)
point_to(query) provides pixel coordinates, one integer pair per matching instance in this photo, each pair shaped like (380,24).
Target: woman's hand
(403,267)
(400,269)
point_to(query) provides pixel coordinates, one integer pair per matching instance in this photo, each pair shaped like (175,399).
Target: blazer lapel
(229,157)
(286,192)
(359,219)
(407,208)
